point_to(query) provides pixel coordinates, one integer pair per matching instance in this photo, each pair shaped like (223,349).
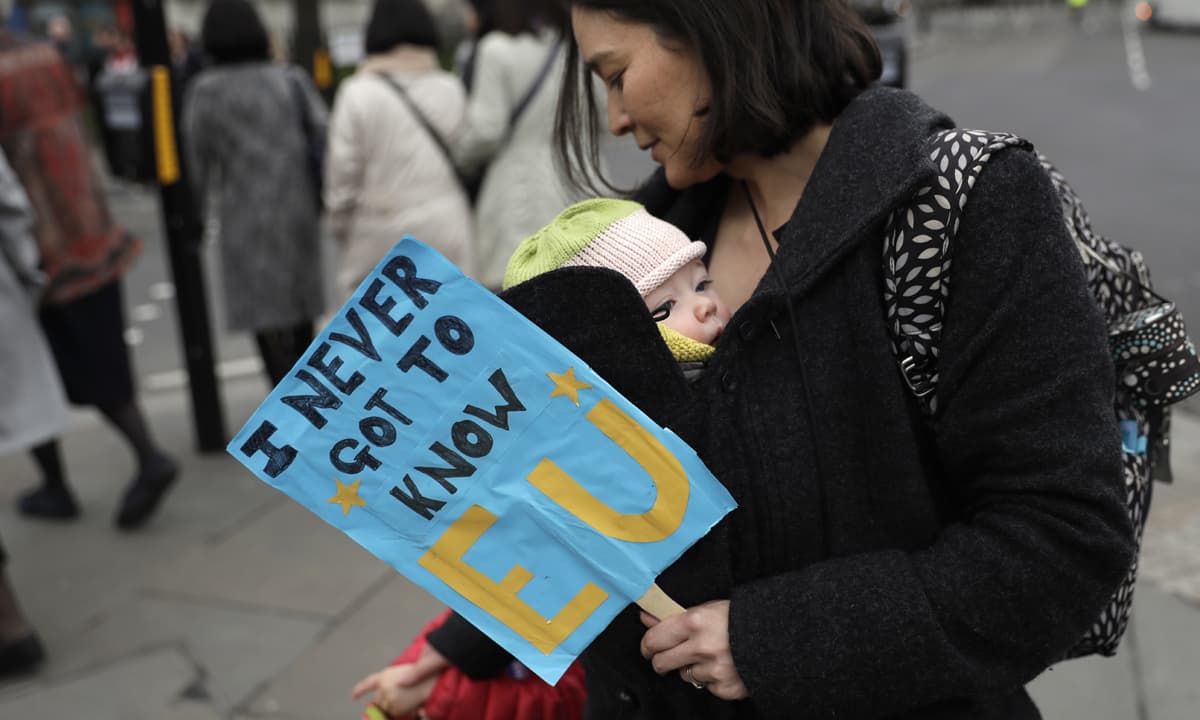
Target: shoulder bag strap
(538,81)
(301,103)
(917,254)
(420,116)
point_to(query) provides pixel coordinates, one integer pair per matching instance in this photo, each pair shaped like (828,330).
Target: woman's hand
(699,640)
(401,690)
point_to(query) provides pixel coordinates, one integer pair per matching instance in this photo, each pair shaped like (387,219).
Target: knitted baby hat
(615,234)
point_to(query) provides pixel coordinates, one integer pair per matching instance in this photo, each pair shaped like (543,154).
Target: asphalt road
(1116,108)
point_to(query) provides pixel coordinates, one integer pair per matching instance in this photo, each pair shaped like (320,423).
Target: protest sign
(448,435)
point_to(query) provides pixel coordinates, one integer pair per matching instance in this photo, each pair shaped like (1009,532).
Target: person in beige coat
(386,175)
(518,63)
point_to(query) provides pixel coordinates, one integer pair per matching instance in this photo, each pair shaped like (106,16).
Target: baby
(665,267)
(668,271)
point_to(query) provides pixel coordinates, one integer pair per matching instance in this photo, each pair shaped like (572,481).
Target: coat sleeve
(18,247)
(197,142)
(468,649)
(488,107)
(1037,538)
(344,159)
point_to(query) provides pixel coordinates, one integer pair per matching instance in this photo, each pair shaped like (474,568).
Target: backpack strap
(917,254)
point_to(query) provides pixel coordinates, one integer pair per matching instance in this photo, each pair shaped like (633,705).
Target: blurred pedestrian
(186,60)
(450,24)
(101,44)
(479,21)
(32,406)
(119,87)
(388,170)
(509,130)
(249,125)
(84,254)
(60,31)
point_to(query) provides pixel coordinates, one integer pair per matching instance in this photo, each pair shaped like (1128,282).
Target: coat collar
(402,59)
(874,161)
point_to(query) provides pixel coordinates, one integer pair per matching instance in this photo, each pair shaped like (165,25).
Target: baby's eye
(662,312)
(704,285)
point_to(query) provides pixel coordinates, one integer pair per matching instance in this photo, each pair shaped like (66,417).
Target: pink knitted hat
(615,234)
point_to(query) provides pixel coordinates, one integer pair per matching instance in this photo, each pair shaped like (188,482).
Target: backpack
(1156,363)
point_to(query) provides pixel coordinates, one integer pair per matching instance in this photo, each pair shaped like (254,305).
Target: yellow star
(347,496)
(567,384)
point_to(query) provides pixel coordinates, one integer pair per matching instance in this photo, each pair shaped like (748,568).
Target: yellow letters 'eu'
(670,482)
(445,560)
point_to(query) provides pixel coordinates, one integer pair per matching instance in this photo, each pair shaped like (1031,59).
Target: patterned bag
(1155,361)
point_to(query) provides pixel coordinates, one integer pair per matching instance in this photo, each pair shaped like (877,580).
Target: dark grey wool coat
(879,565)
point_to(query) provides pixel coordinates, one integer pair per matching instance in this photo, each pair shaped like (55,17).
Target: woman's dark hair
(529,16)
(232,32)
(399,22)
(777,69)
(485,11)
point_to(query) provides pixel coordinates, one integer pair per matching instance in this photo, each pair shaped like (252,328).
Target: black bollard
(184,228)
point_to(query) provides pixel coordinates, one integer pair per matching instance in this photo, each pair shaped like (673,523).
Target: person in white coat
(33,406)
(386,173)
(516,72)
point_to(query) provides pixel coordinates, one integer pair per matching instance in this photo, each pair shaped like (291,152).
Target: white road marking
(175,379)
(145,312)
(161,291)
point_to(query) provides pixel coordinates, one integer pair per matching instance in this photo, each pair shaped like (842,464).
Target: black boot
(143,495)
(53,500)
(21,656)
(49,502)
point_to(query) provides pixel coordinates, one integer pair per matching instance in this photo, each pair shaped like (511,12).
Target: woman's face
(656,93)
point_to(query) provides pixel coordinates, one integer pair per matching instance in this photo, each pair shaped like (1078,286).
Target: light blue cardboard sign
(458,442)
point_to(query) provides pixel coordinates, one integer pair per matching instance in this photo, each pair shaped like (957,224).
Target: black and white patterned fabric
(1156,363)
(917,253)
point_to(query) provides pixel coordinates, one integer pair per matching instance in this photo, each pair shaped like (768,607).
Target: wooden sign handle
(659,604)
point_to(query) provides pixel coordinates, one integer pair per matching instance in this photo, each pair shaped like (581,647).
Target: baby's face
(693,307)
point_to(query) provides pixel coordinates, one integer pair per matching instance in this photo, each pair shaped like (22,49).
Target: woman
(516,71)
(248,124)
(880,564)
(84,254)
(33,409)
(387,173)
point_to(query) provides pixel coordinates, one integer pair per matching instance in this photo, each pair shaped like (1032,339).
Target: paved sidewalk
(233,603)
(236,603)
